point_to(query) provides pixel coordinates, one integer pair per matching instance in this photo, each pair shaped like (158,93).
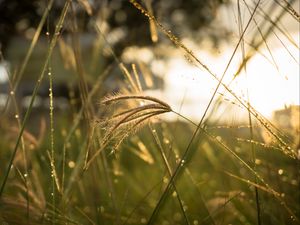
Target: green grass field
(108,154)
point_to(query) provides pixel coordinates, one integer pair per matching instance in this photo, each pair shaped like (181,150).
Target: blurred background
(211,29)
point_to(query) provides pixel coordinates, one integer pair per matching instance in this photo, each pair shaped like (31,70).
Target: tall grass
(115,159)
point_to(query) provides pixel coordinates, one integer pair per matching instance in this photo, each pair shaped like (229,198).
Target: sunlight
(270,89)
(188,88)
(270,78)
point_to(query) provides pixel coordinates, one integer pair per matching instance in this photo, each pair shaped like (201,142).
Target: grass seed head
(127,121)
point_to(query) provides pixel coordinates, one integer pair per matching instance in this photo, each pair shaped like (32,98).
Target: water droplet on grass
(165,180)
(182,162)
(167,141)
(257,161)
(71,164)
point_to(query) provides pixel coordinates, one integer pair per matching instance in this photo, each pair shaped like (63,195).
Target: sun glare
(271,85)
(270,78)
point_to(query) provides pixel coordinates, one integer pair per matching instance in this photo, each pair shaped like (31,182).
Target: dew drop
(167,141)
(12,93)
(71,164)
(280,171)
(293,218)
(257,161)
(182,162)
(25,175)
(165,180)
(16,116)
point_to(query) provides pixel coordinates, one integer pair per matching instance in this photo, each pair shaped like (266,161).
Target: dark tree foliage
(181,15)
(15,17)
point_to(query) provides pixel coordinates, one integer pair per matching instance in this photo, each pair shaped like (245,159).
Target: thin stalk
(52,151)
(263,39)
(17,116)
(169,170)
(258,208)
(34,40)
(290,9)
(269,31)
(79,67)
(178,168)
(89,111)
(221,207)
(38,83)
(77,119)
(52,154)
(258,212)
(285,148)
(141,201)
(258,177)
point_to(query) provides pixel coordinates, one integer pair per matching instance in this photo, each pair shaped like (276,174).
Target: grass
(113,159)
